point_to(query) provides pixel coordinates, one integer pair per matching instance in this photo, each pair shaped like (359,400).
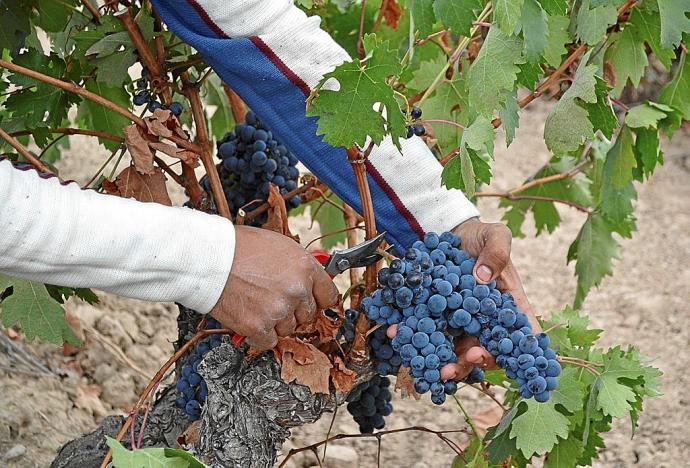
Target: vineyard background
(642,304)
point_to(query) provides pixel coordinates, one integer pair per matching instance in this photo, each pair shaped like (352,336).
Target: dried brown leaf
(391,12)
(145,188)
(159,123)
(303,363)
(191,435)
(405,383)
(343,378)
(87,397)
(327,326)
(139,149)
(187,157)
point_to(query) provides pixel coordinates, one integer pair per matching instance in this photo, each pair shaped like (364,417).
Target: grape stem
(191,91)
(75,131)
(360,32)
(489,394)
(378,435)
(332,233)
(580,363)
(351,222)
(467,417)
(309,184)
(237,107)
(92,9)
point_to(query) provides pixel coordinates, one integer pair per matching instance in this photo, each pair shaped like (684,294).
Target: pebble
(14,452)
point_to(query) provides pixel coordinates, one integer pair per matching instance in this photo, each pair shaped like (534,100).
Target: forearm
(60,234)
(272,54)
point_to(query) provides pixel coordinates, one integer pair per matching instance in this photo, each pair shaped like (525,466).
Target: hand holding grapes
(490,243)
(273,286)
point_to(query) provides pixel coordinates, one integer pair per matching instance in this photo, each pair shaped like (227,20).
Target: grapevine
(470,68)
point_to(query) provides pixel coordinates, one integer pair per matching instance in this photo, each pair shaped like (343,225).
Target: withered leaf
(188,157)
(343,378)
(159,123)
(191,435)
(139,149)
(391,13)
(327,326)
(405,383)
(303,363)
(145,188)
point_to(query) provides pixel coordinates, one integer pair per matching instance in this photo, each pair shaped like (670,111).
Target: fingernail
(484,273)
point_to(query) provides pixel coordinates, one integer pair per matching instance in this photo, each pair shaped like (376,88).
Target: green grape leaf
(555,7)
(570,392)
(329,217)
(510,117)
(151,457)
(628,58)
(507,14)
(53,15)
(600,113)
(536,431)
(593,23)
(32,308)
(458,15)
(576,326)
(494,72)
(593,250)
(464,170)
(86,38)
(347,116)
(674,21)
(565,454)
(422,12)
(52,100)
(426,73)
(558,37)
(677,92)
(615,396)
(110,44)
(480,135)
(14,25)
(568,125)
(620,160)
(647,152)
(100,118)
(648,27)
(222,119)
(644,115)
(502,447)
(529,75)
(113,69)
(535,29)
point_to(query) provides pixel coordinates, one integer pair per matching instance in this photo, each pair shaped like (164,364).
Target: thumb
(495,253)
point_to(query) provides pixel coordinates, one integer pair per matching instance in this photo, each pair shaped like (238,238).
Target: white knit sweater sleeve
(63,235)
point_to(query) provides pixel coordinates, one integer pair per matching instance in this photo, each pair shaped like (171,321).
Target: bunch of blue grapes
(144,96)
(369,403)
(191,386)
(433,297)
(252,159)
(347,329)
(415,128)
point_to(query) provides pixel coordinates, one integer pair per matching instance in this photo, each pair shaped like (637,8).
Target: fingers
(263,341)
(324,291)
(306,309)
(495,253)
(470,355)
(287,326)
(509,281)
(392,331)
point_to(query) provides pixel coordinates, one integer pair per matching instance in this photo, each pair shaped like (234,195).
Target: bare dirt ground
(644,304)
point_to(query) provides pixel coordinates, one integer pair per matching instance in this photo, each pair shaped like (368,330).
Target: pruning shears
(360,255)
(339,261)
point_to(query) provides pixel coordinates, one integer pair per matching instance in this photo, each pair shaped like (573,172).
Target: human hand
(490,243)
(273,286)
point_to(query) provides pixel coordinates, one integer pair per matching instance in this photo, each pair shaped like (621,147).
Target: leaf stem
(33,160)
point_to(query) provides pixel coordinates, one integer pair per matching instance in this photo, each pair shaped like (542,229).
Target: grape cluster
(191,386)
(347,329)
(369,402)
(252,159)
(415,128)
(432,296)
(145,96)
